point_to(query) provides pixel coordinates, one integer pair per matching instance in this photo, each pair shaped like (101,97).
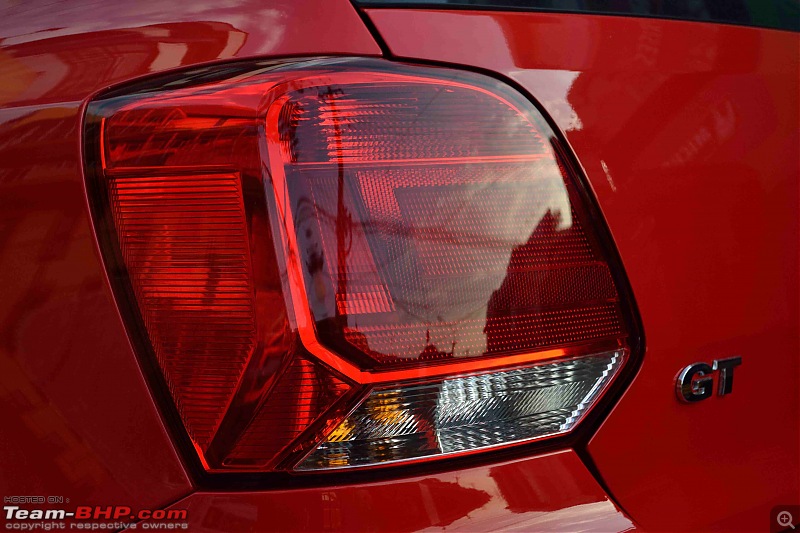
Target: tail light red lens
(341,263)
(184,244)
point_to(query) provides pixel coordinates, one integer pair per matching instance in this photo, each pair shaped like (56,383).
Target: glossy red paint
(78,420)
(688,133)
(552,492)
(63,51)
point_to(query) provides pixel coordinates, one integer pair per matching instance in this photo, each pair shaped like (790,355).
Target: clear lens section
(466,413)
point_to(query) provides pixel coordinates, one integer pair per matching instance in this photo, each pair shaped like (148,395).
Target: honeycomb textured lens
(466,413)
(435,222)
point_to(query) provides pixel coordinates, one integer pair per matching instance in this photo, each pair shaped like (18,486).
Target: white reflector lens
(466,413)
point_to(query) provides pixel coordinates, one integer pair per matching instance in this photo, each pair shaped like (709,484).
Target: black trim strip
(773,14)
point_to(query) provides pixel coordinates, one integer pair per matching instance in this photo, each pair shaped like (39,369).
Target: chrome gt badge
(696,381)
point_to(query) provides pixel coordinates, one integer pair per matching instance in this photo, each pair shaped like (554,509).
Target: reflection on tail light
(343,263)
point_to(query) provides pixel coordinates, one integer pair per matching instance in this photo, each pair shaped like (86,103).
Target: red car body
(688,135)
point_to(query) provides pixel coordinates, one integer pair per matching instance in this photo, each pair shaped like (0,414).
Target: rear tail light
(344,263)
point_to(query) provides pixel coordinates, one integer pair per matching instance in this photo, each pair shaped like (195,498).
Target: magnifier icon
(785,519)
